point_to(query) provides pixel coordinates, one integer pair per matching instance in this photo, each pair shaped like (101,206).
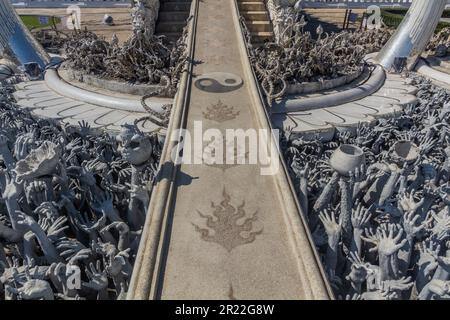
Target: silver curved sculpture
(16,41)
(413,34)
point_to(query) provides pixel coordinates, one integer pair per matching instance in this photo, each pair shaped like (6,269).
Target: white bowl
(347,158)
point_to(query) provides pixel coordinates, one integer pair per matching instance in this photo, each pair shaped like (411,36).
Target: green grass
(393,17)
(392,20)
(32,22)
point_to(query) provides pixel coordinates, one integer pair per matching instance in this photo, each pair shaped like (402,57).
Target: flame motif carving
(227,232)
(220,112)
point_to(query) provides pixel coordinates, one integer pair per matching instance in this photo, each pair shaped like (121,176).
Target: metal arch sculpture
(16,40)
(413,34)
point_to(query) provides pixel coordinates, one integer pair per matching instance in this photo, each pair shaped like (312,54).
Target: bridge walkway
(225,231)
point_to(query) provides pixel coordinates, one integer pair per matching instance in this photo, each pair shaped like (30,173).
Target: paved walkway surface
(44,102)
(228,235)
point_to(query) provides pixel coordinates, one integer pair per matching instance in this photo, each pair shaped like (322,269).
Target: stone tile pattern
(392,97)
(46,103)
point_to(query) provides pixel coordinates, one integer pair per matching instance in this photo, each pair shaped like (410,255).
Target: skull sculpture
(134,146)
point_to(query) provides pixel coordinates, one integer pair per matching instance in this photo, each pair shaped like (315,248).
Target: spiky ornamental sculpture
(145,14)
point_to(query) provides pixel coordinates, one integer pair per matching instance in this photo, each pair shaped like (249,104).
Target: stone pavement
(392,97)
(44,102)
(226,231)
(435,69)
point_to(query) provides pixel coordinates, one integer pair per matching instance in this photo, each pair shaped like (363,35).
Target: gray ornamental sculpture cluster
(377,200)
(70,201)
(140,59)
(51,40)
(440,43)
(144,15)
(296,57)
(143,58)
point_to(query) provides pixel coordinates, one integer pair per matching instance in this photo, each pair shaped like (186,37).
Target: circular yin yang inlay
(218,82)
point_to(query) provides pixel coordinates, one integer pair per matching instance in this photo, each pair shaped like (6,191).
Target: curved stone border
(69,75)
(372,85)
(424,69)
(45,103)
(439,62)
(396,93)
(316,86)
(65,89)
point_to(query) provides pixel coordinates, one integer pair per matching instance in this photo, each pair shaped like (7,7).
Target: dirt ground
(91,18)
(332,20)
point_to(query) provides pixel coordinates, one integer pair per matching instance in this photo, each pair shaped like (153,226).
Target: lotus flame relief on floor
(224,221)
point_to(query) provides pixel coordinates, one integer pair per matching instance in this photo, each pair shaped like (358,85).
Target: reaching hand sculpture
(333,231)
(360,221)
(70,199)
(33,289)
(358,273)
(399,208)
(387,243)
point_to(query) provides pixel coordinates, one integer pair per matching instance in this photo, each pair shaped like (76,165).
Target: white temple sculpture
(413,34)
(145,14)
